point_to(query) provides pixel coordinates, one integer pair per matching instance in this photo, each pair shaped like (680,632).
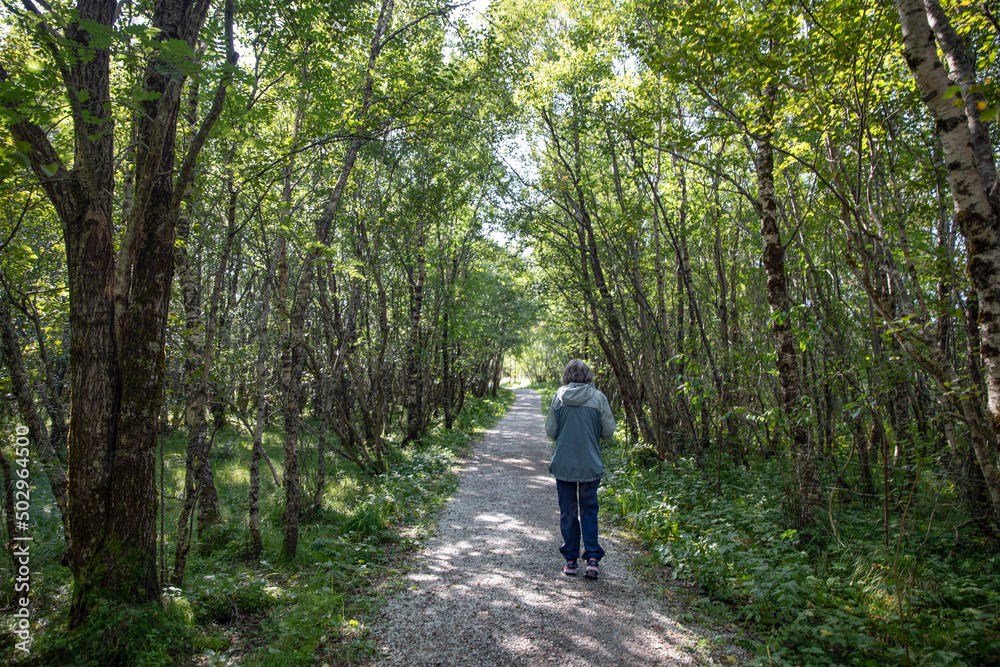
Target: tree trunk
(194,408)
(199,482)
(497,368)
(297,336)
(278,260)
(209,512)
(801,450)
(8,505)
(260,371)
(973,210)
(962,70)
(53,399)
(117,331)
(325,400)
(414,356)
(446,381)
(54,471)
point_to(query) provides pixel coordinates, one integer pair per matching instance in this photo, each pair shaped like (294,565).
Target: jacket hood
(576,393)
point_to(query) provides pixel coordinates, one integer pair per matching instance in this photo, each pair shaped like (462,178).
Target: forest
(265,269)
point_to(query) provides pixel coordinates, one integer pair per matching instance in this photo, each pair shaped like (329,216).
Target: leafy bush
(227,538)
(223,599)
(115,635)
(812,600)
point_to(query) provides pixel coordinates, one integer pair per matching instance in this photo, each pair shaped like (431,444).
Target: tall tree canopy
(771,227)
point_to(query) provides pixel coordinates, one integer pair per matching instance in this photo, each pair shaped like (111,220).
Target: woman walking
(578,418)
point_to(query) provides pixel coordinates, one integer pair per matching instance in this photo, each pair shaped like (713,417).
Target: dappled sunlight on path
(490,590)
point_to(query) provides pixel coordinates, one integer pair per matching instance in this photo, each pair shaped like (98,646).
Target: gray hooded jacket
(578,418)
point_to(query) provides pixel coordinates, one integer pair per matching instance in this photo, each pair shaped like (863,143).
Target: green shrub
(811,599)
(372,516)
(221,599)
(116,635)
(224,537)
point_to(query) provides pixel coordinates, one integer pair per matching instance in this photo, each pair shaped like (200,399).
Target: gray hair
(577,371)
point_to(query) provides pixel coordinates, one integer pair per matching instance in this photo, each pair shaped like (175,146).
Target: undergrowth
(229,612)
(810,598)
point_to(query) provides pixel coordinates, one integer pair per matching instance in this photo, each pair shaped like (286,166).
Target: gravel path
(489,589)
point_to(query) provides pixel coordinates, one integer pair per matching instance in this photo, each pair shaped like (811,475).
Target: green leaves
(177,48)
(805,599)
(101,35)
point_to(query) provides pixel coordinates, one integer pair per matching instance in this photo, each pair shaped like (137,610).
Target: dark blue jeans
(578,515)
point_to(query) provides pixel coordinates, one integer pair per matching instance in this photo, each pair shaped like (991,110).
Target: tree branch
(437,12)
(990,17)
(187,166)
(80,129)
(44,160)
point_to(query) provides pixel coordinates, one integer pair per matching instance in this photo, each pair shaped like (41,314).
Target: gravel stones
(489,587)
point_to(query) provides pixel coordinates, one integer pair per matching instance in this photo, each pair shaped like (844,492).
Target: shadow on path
(490,590)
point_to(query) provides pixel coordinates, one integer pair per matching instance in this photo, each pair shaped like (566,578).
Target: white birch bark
(972,210)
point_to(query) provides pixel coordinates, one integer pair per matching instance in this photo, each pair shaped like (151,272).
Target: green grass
(307,612)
